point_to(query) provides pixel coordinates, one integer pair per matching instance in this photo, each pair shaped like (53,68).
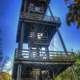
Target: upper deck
(39,6)
(46,26)
(36,23)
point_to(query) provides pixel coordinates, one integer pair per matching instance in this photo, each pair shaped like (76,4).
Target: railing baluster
(53,55)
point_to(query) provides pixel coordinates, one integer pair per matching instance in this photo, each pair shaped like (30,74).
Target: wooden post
(53,76)
(20,45)
(19,72)
(47,52)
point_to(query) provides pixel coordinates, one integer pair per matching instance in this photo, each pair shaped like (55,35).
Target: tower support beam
(59,34)
(19,72)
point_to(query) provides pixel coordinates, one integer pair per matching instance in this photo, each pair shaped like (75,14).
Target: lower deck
(30,66)
(30,69)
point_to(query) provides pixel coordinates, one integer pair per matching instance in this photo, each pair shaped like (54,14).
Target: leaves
(68,74)
(5,76)
(78,1)
(73,14)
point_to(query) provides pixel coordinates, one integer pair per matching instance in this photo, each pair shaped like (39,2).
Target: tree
(66,75)
(5,76)
(73,72)
(73,14)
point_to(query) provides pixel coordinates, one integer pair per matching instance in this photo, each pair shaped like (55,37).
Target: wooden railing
(42,55)
(34,16)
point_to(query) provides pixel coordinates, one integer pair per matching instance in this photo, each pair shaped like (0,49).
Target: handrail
(40,17)
(53,55)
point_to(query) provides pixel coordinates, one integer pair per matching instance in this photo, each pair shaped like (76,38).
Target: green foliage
(73,72)
(77,60)
(66,75)
(77,70)
(73,14)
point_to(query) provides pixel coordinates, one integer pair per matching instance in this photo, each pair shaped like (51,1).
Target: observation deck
(37,30)
(34,24)
(57,62)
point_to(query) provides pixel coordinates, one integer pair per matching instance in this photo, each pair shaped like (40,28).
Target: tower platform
(47,26)
(56,63)
(36,61)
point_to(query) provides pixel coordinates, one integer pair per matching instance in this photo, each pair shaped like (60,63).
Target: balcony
(56,62)
(39,17)
(56,56)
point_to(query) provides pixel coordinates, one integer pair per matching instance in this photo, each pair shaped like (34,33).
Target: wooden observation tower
(36,30)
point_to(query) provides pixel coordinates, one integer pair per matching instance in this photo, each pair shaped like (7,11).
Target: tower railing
(25,54)
(46,18)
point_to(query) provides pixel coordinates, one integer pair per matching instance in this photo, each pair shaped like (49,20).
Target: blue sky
(9,14)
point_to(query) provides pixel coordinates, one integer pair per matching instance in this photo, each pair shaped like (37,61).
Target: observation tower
(35,29)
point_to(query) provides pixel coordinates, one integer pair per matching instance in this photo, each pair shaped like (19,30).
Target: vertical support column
(24,8)
(36,74)
(30,53)
(19,72)
(53,76)
(47,52)
(20,45)
(48,77)
(25,5)
(40,75)
(38,52)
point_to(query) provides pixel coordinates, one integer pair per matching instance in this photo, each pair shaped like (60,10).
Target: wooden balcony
(40,17)
(53,56)
(57,61)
